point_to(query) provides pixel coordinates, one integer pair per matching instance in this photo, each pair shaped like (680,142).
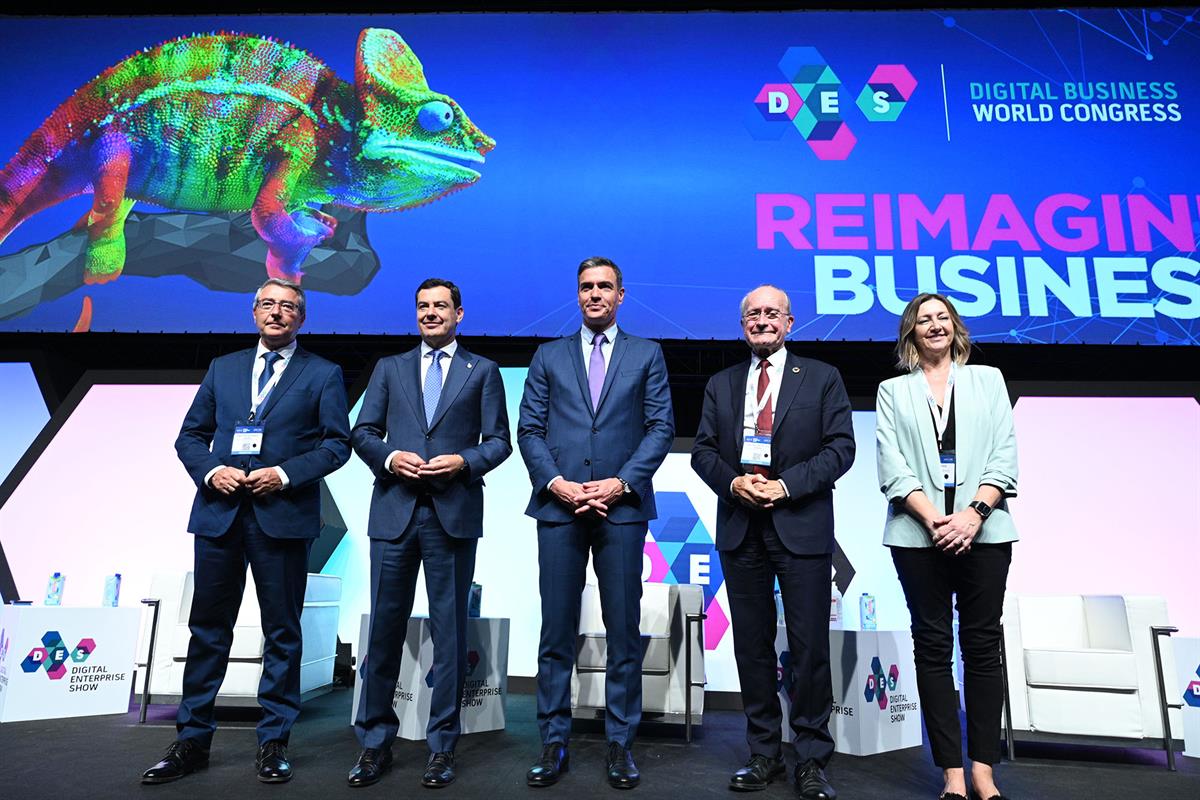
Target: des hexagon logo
(53,654)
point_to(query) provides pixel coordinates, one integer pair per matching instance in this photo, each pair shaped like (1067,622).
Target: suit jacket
(812,445)
(985,451)
(307,433)
(470,420)
(627,436)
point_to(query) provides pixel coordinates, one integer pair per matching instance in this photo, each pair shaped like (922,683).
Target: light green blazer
(985,447)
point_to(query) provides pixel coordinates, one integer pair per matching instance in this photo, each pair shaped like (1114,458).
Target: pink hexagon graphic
(836,148)
(658,564)
(897,75)
(778,100)
(715,626)
(57,671)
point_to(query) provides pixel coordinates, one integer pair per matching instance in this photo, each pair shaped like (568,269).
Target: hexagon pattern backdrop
(1025,162)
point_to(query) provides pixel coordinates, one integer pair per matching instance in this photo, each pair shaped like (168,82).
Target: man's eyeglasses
(772,314)
(285,306)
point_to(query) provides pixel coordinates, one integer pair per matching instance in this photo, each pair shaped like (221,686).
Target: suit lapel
(460,369)
(618,351)
(295,366)
(409,381)
(960,399)
(575,346)
(925,430)
(245,367)
(737,398)
(793,376)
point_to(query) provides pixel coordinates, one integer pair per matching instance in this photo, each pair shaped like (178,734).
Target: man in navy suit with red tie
(596,423)
(433,423)
(775,434)
(266,425)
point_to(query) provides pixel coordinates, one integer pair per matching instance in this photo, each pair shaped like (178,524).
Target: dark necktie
(433,385)
(596,369)
(766,416)
(272,359)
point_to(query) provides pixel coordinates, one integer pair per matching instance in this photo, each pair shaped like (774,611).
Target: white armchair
(1085,665)
(318,624)
(667,636)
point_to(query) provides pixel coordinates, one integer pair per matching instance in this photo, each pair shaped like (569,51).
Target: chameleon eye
(435,116)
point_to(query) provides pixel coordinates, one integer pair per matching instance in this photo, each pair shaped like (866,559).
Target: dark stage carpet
(102,757)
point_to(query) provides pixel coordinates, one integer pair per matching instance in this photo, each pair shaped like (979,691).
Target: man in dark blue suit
(266,425)
(433,423)
(775,434)
(596,422)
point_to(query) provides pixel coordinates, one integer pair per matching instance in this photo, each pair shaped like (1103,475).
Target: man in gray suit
(432,423)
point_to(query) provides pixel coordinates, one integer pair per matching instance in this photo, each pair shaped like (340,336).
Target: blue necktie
(271,358)
(433,386)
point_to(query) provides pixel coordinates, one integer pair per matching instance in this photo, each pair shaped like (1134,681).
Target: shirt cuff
(786,493)
(283,477)
(387,462)
(208,478)
(552,480)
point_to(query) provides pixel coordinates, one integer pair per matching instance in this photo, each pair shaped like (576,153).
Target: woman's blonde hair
(907,355)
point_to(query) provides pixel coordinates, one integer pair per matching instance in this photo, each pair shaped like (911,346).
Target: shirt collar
(286,351)
(449,349)
(587,334)
(776,359)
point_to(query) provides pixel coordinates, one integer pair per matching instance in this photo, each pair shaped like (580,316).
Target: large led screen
(1035,165)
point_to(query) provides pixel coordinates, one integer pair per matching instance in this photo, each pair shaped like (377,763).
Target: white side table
(875,703)
(487,676)
(1187,686)
(58,662)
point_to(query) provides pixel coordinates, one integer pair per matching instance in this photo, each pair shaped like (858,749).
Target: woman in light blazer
(947,457)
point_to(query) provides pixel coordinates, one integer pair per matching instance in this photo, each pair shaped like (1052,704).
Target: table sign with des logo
(58,662)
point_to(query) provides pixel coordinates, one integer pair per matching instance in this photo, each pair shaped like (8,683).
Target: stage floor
(103,757)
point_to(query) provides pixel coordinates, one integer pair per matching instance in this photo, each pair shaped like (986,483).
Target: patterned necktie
(596,369)
(272,359)
(766,417)
(433,385)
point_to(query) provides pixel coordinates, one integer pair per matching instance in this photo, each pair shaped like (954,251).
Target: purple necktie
(596,369)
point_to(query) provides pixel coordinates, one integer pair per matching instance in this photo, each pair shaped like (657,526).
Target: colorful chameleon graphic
(230,122)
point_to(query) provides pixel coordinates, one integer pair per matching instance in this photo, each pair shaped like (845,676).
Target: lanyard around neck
(941,416)
(258,398)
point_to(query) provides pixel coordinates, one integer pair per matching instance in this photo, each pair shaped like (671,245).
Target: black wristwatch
(981,508)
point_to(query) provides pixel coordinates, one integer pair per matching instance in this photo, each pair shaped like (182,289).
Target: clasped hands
(954,533)
(757,491)
(412,467)
(263,480)
(591,497)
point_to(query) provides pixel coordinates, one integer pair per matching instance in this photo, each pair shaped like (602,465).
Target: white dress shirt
(426,363)
(777,361)
(587,335)
(256,372)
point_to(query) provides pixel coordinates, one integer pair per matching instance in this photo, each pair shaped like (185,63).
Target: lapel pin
(469,365)
(795,369)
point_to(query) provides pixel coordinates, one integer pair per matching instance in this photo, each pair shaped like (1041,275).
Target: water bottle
(866,611)
(54,589)
(112,591)
(475,600)
(835,605)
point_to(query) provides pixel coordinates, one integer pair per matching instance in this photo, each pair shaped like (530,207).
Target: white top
(775,378)
(427,360)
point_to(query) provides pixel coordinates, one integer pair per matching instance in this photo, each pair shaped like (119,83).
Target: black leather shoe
(272,763)
(977,796)
(757,774)
(182,757)
(550,767)
(622,772)
(371,765)
(811,783)
(951,796)
(439,771)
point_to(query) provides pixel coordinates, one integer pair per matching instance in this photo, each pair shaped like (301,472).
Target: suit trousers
(751,570)
(280,568)
(449,564)
(975,581)
(616,552)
